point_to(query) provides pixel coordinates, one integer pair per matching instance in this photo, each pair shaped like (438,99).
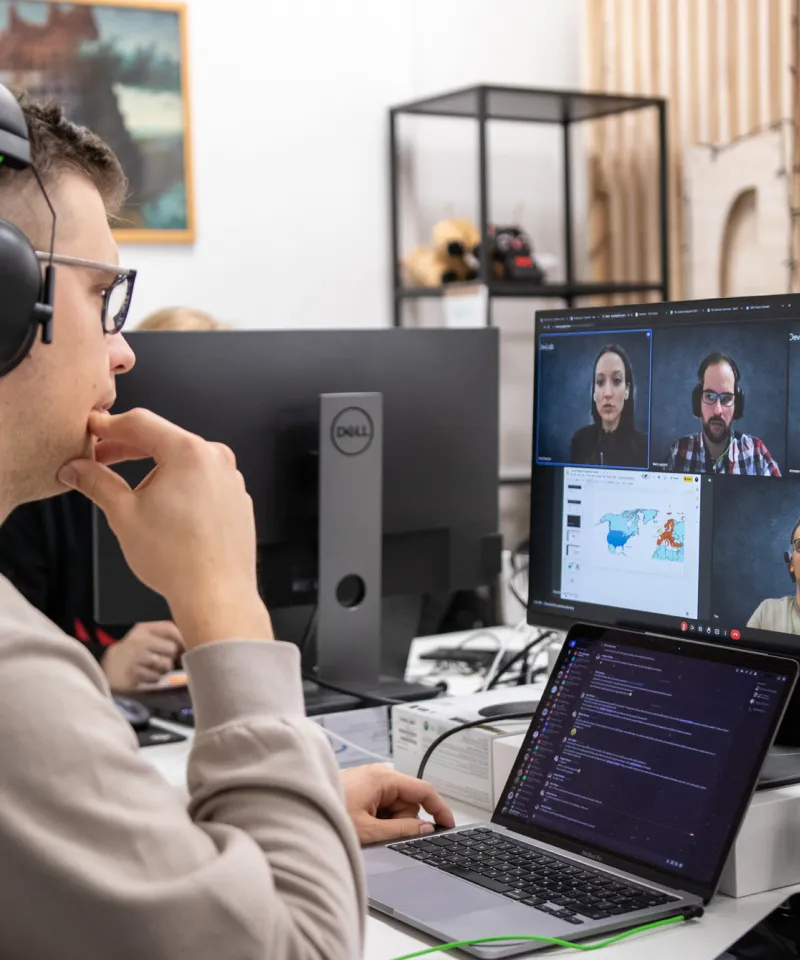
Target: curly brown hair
(60,146)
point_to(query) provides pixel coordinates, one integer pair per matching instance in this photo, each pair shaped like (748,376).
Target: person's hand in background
(384,804)
(187,530)
(143,655)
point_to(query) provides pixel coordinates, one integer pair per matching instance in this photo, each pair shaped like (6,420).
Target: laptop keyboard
(520,872)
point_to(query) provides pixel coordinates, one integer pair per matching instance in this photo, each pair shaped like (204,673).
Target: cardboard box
(462,766)
(766,855)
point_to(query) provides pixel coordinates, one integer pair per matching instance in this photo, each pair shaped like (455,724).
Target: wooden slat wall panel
(721,64)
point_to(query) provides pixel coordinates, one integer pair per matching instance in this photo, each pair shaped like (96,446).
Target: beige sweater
(100,860)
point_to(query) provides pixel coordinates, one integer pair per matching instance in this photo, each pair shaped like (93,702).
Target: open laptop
(623,804)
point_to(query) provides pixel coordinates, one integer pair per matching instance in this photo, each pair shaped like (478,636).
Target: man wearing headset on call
(718,400)
(782,613)
(101,858)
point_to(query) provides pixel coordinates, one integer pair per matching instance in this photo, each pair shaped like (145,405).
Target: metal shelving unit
(527,105)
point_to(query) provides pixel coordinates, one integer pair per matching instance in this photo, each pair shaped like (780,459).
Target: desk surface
(725,921)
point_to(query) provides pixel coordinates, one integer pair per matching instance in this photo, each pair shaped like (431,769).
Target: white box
(461,767)
(358,736)
(766,854)
(504,758)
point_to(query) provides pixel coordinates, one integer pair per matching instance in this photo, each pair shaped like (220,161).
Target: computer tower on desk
(372,460)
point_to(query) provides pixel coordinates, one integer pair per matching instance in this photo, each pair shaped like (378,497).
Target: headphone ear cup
(21,285)
(738,409)
(696,397)
(787,560)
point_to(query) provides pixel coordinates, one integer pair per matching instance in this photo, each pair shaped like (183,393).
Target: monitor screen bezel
(779,307)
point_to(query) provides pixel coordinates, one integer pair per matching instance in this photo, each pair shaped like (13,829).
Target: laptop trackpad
(427,894)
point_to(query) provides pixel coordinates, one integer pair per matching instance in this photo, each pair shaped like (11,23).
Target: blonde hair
(181,318)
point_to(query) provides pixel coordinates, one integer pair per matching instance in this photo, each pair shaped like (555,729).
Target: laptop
(623,804)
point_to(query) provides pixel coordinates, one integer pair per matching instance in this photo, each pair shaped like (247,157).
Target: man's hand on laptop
(187,530)
(385,805)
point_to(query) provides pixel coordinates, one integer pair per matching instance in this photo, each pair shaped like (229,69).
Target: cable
(312,622)
(501,652)
(367,698)
(520,655)
(690,914)
(484,721)
(349,743)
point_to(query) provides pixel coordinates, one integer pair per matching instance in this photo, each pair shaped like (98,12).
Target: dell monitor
(665,485)
(405,466)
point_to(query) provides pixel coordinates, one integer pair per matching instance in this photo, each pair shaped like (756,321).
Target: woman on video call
(612,439)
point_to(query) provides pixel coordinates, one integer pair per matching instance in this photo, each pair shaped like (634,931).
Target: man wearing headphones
(100,857)
(718,400)
(782,613)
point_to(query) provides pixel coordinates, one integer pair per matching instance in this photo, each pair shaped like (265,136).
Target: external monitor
(665,487)
(259,392)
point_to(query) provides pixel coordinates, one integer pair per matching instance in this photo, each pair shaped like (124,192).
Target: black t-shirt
(46,552)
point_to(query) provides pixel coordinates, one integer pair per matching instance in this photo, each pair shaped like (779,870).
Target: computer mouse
(137,714)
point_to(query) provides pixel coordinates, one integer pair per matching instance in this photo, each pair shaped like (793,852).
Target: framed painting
(120,68)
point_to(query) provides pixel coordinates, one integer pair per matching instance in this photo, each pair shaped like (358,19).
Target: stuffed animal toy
(511,255)
(450,257)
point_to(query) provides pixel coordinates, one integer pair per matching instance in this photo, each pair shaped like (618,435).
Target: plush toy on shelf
(511,255)
(451,256)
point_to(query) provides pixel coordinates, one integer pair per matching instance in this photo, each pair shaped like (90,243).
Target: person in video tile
(783,613)
(718,400)
(611,440)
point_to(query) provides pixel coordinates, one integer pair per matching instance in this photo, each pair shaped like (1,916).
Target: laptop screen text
(643,753)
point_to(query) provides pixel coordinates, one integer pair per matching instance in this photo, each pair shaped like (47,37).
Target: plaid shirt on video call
(745,454)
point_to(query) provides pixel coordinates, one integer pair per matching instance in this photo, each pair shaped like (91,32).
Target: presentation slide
(594,398)
(631,540)
(758,350)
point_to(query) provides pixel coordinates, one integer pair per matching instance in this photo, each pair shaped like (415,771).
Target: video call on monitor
(665,489)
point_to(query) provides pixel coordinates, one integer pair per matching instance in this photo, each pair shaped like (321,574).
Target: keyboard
(520,872)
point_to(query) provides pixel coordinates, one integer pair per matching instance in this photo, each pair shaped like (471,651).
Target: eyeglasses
(796,544)
(116,296)
(710,397)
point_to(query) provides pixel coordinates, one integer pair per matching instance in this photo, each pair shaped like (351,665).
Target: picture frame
(121,68)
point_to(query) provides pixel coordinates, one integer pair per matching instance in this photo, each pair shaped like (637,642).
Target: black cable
(519,655)
(515,593)
(312,622)
(484,721)
(368,699)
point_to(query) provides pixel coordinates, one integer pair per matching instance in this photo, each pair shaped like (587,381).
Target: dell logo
(794,337)
(547,346)
(352,431)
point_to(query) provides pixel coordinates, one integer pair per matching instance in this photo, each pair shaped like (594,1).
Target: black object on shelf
(528,105)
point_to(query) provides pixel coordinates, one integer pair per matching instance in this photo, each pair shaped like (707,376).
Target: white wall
(289,113)
(289,105)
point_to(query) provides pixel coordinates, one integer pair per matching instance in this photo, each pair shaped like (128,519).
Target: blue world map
(623,526)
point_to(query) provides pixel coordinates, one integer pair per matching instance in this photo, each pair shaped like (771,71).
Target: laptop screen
(647,751)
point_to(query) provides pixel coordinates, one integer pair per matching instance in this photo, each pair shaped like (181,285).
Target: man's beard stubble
(720,435)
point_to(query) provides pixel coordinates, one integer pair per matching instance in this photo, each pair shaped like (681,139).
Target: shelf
(510,290)
(528,104)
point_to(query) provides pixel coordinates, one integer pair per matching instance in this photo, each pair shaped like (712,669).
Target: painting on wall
(119,68)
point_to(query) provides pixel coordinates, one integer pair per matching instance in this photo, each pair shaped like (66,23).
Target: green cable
(553,942)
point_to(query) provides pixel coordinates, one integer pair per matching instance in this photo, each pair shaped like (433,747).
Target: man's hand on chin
(385,805)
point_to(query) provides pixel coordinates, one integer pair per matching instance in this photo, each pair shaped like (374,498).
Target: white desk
(725,921)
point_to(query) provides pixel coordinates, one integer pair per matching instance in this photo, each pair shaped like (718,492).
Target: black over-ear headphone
(26,302)
(697,394)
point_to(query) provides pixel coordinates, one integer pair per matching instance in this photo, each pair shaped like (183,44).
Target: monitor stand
(348,634)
